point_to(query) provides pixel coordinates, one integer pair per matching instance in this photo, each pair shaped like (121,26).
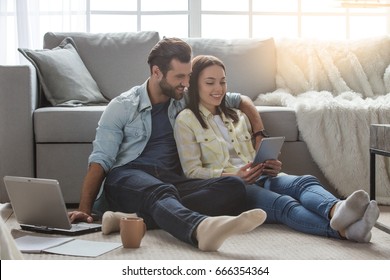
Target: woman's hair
(167,49)
(199,63)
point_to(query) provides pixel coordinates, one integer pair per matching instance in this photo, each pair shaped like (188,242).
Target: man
(135,153)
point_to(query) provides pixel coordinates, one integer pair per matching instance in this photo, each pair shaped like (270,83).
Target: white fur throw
(337,90)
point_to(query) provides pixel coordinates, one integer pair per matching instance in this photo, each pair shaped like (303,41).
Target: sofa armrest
(18,100)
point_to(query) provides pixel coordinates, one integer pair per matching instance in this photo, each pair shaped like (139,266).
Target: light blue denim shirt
(126,124)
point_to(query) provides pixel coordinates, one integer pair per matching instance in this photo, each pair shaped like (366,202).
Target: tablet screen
(269,149)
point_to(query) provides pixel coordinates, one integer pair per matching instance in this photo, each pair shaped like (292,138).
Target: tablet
(269,149)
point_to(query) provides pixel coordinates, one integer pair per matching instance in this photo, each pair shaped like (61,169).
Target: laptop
(39,206)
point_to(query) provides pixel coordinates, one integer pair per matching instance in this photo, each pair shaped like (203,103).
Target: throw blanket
(337,90)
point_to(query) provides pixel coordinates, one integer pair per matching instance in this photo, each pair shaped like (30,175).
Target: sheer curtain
(24,22)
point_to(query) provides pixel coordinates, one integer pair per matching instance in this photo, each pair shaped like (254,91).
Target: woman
(215,141)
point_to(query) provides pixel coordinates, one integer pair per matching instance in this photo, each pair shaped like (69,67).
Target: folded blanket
(336,131)
(337,90)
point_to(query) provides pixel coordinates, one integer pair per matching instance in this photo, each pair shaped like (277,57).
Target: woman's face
(212,87)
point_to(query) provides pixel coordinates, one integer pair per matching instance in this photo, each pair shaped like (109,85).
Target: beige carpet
(268,242)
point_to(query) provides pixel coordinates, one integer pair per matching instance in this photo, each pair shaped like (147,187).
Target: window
(24,22)
(324,19)
(239,18)
(207,18)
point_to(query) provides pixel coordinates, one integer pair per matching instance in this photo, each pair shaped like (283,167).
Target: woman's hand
(272,167)
(250,173)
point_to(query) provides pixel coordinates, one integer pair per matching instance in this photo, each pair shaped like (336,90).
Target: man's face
(176,80)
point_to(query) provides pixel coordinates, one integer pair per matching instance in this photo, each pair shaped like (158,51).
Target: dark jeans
(170,201)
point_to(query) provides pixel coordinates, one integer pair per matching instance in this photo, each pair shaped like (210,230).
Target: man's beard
(168,90)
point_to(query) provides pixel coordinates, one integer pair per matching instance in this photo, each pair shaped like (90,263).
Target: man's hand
(79,216)
(91,185)
(272,167)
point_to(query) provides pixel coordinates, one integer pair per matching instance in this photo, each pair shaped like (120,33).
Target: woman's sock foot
(350,210)
(360,231)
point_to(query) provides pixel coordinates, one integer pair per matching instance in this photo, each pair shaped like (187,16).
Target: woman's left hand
(272,167)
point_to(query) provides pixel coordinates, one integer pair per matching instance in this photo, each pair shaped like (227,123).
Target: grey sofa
(41,140)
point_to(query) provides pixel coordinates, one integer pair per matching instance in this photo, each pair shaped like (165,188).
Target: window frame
(195,13)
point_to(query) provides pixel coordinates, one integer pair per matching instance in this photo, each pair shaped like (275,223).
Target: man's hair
(199,63)
(167,49)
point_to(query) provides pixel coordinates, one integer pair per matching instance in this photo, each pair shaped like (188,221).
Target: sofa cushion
(59,124)
(250,63)
(117,61)
(66,125)
(63,76)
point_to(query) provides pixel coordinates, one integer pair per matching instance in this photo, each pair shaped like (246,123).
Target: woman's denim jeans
(299,202)
(169,201)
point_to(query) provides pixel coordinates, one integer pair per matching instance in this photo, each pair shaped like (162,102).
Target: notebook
(39,206)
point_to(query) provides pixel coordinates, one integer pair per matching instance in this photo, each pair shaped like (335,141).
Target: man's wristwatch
(262,132)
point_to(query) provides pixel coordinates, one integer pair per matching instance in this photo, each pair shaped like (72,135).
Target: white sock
(213,231)
(111,220)
(360,231)
(350,210)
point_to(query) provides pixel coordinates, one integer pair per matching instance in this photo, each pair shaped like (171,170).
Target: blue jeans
(299,202)
(170,201)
